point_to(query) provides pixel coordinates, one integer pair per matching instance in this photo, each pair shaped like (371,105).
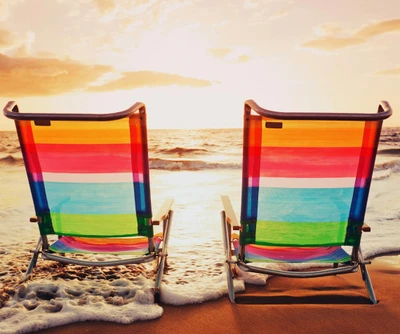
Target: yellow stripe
(83,132)
(314,134)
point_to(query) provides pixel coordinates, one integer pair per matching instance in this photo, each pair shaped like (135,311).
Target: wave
(385,169)
(389,151)
(180,151)
(193,165)
(11,160)
(393,165)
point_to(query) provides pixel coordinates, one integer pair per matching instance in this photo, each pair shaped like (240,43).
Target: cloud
(230,55)
(6,39)
(332,38)
(220,52)
(392,71)
(243,58)
(127,12)
(39,76)
(105,6)
(16,44)
(278,15)
(267,10)
(379,28)
(331,43)
(132,80)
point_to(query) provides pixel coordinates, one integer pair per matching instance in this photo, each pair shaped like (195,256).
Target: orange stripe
(83,132)
(314,134)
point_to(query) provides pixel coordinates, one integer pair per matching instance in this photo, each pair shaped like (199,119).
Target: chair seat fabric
(257,253)
(128,246)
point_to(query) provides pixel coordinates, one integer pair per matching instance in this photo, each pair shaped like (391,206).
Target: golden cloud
(333,43)
(379,28)
(229,55)
(7,39)
(39,76)
(16,44)
(220,52)
(243,58)
(392,71)
(132,80)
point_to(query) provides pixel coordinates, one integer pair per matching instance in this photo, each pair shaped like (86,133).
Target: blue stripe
(90,198)
(359,204)
(249,204)
(305,205)
(142,198)
(39,197)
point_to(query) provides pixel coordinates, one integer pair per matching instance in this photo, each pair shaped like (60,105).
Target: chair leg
(368,283)
(163,259)
(35,256)
(228,258)
(366,278)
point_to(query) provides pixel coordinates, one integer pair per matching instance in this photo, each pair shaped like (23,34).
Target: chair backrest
(306,176)
(88,174)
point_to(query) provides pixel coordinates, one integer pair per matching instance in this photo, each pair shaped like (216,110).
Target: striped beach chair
(89,179)
(305,185)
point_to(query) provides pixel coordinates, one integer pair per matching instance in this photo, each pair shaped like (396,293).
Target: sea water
(194,167)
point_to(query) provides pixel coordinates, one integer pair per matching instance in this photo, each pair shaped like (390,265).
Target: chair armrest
(163,212)
(229,213)
(366,228)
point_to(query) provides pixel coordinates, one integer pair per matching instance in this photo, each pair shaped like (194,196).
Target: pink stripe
(291,254)
(361,183)
(96,158)
(104,245)
(310,162)
(37,177)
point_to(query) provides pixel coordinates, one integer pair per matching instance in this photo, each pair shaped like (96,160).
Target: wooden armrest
(366,228)
(230,214)
(162,212)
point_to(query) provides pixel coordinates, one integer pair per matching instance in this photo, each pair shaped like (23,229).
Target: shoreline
(332,304)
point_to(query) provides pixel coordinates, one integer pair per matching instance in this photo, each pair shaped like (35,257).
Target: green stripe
(95,225)
(300,234)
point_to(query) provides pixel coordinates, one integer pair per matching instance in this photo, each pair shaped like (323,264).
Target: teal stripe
(91,198)
(304,205)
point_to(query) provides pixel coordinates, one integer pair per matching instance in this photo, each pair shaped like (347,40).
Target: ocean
(194,167)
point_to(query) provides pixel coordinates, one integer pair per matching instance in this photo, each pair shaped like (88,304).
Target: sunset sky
(194,62)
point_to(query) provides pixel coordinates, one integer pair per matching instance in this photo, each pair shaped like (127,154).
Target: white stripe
(284,182)
(88,178)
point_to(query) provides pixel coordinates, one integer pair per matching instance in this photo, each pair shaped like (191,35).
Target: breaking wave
(392,165)
(180,151)
(389,151)
(176,165)
(385,169)
(11,160)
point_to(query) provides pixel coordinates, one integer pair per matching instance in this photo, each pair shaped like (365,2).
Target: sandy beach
(319,305)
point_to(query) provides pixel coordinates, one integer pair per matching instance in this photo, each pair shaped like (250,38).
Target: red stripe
(84,158)
(370,143)
(28,148)
(138,133)
(312,162)
(252,147)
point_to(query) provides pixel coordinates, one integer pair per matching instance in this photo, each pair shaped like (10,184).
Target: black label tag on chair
(273,125)
(42,122)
